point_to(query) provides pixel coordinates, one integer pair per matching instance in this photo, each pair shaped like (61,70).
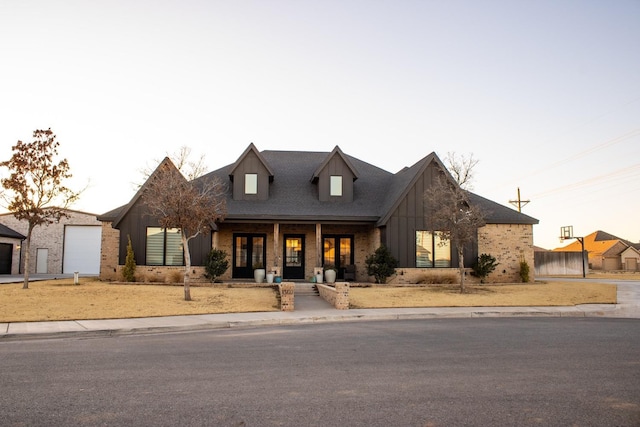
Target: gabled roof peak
(335,152)
(166,165)
(251,149)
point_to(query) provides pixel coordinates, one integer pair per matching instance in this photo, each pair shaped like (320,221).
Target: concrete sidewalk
(313,309)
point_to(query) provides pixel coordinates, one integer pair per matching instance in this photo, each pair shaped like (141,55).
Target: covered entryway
(81,249)
(293,268)
(249,252)
(6,258)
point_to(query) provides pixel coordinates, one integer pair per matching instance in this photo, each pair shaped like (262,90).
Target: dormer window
(335,186)
(251,183)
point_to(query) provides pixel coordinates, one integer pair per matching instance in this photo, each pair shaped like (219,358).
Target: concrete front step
(306,289)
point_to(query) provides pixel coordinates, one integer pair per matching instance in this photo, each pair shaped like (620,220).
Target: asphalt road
(447,372)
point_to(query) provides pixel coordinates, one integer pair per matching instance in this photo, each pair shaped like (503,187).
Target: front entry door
(337,251)
(249,252)
(293,267)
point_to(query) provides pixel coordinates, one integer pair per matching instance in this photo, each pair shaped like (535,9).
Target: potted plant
(258,272)
(330,272)
(270,275)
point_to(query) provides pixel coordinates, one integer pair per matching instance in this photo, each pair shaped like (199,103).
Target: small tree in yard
(35,190)
(453,215)
(216,264)
(381,264)
(129,270)
(484,266)
(191,206)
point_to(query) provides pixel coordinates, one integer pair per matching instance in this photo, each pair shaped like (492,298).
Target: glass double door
(337,250)
(249,252)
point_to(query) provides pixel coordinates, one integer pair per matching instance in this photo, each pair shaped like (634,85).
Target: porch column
(215,240)
(318,245)
(276,247)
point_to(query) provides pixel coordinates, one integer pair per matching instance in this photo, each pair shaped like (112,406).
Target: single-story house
(10,244)
(607,252)
(295,211)
(69,246)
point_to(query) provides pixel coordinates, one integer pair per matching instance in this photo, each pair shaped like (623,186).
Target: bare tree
(183,160)
(34,188)
(461,168)
(191,206)
(452,214)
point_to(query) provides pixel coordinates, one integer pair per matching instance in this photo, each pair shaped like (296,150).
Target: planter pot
(269,277)
(278,279)
(258,274)
(319,278)
(330,276)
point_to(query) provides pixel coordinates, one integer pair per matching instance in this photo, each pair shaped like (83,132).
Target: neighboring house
(295,211)
(71,245)
(607,252)
(10,244)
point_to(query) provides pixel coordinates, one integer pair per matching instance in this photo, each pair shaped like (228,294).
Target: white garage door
(81,249)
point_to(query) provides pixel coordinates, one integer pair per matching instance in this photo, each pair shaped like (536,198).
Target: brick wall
(287,296)
(509,244)
(337,296)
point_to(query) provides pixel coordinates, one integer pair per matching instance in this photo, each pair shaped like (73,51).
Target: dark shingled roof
(293,197)
(10,233)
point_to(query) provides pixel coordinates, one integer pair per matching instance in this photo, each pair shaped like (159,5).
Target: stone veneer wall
(50,237)
(337,296)
(509,244)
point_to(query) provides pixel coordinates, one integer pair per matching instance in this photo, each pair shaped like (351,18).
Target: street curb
(321,319)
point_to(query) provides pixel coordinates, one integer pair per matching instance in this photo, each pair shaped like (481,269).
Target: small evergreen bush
(216,264)
(381,264)
(484,266)
(524,271)
(129,270)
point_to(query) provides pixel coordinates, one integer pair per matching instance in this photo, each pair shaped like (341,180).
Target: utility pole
(519,203)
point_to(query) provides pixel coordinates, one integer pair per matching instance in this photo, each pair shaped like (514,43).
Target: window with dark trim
(251,183)
(335,185)
(432,251)
(164,246)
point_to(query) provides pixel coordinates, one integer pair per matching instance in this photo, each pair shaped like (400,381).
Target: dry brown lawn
(93,299)
(62,300)
(539,294)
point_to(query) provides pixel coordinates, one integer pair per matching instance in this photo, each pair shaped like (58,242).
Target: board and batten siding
(335,167)
(251,164)
(409,217)
(135,224)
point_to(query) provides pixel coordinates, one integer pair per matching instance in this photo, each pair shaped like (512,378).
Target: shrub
(438,279)
(176,276)
(216,264)
(129,270)
(484,266)
(524,271)
(381,264)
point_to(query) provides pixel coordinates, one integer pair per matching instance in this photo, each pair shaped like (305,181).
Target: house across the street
(607,252)
(295,211)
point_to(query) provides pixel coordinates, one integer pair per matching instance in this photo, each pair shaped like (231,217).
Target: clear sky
(546,94)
